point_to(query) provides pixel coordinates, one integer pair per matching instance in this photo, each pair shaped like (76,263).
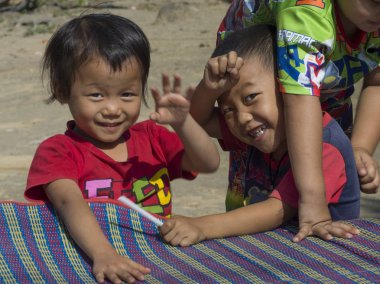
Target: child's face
(363,14)
(103,103)
(253,109)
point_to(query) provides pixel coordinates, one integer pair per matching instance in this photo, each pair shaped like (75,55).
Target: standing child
(241,76)
(98,65)
(324,47)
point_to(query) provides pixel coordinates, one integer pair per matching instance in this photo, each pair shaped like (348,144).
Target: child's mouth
(257,132)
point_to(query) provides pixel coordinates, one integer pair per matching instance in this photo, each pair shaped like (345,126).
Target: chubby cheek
(234,129)
(134,113)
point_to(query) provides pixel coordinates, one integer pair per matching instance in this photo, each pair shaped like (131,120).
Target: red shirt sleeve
(334,171)
(53,160)
(172,149)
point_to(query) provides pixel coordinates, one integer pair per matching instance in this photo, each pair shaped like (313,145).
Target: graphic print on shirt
(153,194)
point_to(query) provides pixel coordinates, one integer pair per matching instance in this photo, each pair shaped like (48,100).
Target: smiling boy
(241,77)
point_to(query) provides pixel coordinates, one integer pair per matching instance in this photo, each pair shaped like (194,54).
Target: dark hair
(257,40)
(113,38)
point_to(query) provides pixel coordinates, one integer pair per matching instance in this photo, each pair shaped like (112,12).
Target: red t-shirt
(154,159)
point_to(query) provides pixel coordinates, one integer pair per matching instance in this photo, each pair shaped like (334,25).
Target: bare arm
(366,132)
(78,218)
(204,111)
(220,74)
(303,120)
(255,218)
(172,108)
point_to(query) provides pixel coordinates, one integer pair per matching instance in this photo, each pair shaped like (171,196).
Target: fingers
(169,233)
(156,96)
(335,229)
(120,271)
(304,232)
(178,231)
(360,166)
(167,88)
(177,84)
(370,183)
(190,92)
(165,83)
(327,231)
(228,64)
(368,171)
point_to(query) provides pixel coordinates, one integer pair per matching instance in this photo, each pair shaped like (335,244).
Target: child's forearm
(366,131)
(203,109)
(85,230)
(201,153)
(255,218)
(303,117)
(78,218)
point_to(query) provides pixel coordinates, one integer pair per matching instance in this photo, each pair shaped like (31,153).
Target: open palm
(171,108)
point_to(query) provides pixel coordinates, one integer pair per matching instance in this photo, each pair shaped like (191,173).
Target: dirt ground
(182,36)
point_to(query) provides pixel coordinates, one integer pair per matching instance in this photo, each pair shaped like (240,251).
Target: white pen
(143,212)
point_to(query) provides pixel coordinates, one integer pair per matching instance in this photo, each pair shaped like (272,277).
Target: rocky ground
(182,36)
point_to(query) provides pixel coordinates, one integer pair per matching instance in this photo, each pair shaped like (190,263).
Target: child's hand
(368,171)
(181,231)
(117,268)
(311,217)
(323,227)
(171,108)
(222,72)
(327,230)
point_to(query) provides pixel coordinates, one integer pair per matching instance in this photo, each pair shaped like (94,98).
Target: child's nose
(112,108)
(244,117)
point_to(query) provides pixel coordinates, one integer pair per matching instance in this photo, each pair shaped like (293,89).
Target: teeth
(258,132)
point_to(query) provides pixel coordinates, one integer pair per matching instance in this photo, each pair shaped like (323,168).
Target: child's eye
(96,96)
(226,110)
(127,95)
(249,98)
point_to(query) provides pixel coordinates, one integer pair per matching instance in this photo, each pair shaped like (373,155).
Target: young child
(98,65)
(251,107)
(324,47)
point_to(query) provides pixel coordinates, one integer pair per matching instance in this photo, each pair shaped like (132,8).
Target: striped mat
(35,248)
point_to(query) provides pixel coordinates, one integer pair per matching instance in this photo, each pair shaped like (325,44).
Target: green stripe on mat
(151,255)
(20,245)
(42,245)
(313,255)
(228,263)
(5,271)
(197,265)
(262,263)
(73,255)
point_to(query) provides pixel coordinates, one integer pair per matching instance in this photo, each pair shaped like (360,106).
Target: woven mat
(35,248)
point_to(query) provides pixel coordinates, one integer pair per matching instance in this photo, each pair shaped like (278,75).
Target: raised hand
(171,108)
(222,73)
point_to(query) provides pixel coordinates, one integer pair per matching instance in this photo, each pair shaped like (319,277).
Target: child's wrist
(206,90)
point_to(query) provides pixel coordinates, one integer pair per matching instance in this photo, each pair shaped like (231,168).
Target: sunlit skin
(359,15)
(356,16)
(253,109)
(104,103)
